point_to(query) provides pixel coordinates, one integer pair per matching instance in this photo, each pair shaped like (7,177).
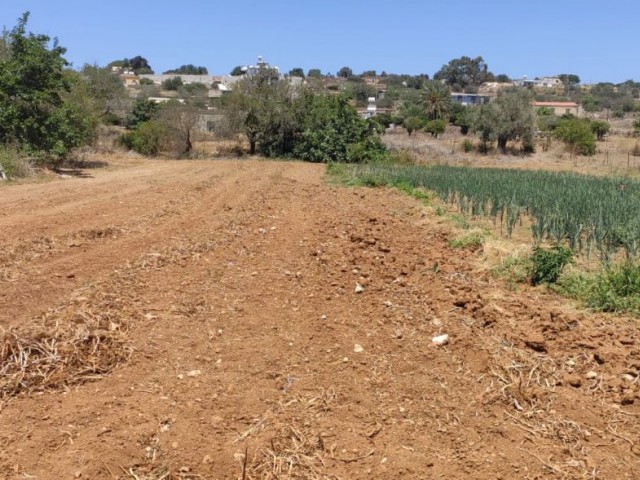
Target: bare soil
(222,337)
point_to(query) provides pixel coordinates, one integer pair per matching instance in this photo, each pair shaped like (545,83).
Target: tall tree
(345,72)
(314,73)
(237,71)
(465,71)
(188,70)
(37,111)
(296,72)
(437,100)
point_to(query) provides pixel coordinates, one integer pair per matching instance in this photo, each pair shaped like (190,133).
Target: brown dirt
(200,320)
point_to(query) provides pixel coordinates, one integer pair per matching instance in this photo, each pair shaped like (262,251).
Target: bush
(467,145)
(616,289)
(172,83)
(547,265)
(146,139)
(435,127)
(13,164)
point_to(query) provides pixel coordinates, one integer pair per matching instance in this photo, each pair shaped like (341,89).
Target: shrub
(435,127)
(13,164)
(172,83)
(146,139)
(471,239)
(467,145)
(547,265)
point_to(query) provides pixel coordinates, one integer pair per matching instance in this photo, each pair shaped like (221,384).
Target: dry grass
(69,345)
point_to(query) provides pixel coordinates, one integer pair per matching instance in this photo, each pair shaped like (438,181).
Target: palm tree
(437,100)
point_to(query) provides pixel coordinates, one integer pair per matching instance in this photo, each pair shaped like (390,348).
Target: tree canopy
(188,70)
(138,64)
(345,72)
(37,111)
(465,71)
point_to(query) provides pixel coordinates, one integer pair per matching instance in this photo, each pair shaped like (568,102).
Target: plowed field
(248,320)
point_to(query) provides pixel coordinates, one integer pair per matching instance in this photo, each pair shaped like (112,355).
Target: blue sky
(596,40)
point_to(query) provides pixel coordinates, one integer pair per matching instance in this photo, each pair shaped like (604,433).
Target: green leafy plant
(547,265)
(471,239)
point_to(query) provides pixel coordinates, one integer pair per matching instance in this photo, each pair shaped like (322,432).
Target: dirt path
(236,281)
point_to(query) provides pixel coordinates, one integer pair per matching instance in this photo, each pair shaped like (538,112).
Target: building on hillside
(186,79)
(543,82)
(559,108)
(469,99)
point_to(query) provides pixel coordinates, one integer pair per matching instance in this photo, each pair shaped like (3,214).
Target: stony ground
(248,320)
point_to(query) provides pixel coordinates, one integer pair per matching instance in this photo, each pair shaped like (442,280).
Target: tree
(577,135)
(510,117)
(437,100)
(600,128)
(636,127)
(172,83)
(334,132)
(296,72)
(188,70)
(369,73)
(435,127)
(237,71)
(314,73)
(413,124)
(502,78)
(345,72)
(569,79)
(143,111)
(464,71)
(180,121)
(516,120)
(107,92)
(138,64)
(37,109)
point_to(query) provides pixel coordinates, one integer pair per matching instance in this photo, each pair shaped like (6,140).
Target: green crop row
(585,212)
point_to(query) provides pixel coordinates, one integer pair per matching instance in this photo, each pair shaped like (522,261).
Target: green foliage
(413,124)
(143,111)
(146,81)
(569,79)
(334,132)
(314,73)
(436,100)
(237,71)
(146,139)
(463,118)
(296,72)
(106,92)
(463,72)
(138,64)
(467,145)
(507,119)
(576,133)
(471,239)
(360,92)
(588,213)
(547,265)
(600,128)
(172,83)
(188,70)
(13,164)
(435,127)
(616,288)
(636,126)
(345,72)
(37,109)
(282,122)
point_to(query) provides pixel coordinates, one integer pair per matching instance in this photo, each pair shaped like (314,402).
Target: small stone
(574,381)
(628,378)
(591,375)
(180,376)
(440,340)
(194,373)
(358,348)
(536,343)
(207,460)
(323,317)
(359,288)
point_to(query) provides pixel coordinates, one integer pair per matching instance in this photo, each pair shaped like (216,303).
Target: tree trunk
(502,144)
(252,147)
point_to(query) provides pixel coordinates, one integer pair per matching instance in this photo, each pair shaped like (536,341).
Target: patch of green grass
(471,239)
(615,288)
(417,193)
(459,221)
(514,269)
